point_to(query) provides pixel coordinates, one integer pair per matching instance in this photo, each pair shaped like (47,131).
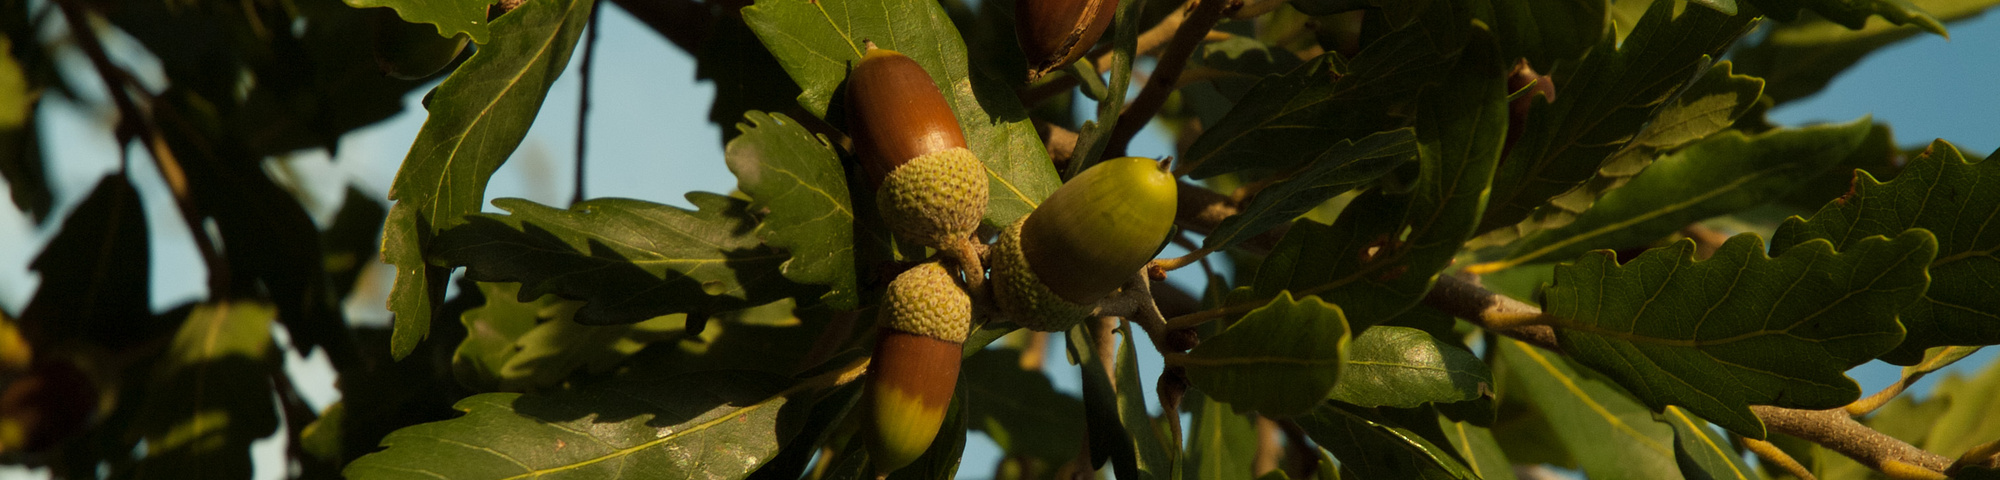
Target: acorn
(924,320)
(1054,33)
(1087,239)
(930,189)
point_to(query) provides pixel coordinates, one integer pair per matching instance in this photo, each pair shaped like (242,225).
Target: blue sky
(650,139)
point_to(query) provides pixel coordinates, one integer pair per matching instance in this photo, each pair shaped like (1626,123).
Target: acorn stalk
(930,189)
(1084,242)
(925,317)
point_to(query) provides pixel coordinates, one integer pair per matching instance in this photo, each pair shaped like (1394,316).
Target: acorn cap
(1020,294)
(895,113)
(1054,33)
(910,384)
(1095,231)
(936,199)
(927,300)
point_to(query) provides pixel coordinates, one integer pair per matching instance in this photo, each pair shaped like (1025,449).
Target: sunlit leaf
(477,117)
(1604,430)
(1150,442)
(1956,200)
(452,17)
(721,424)
(1481,452)
(1740,328)
(817,40)
(1281,359)
(492,329)
(1221,445)
(798,178)
(21,163)
(1853,14)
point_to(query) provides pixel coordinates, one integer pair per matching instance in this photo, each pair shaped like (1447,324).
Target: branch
(583,101)
(132,121)
(1831,428)
(1167,74)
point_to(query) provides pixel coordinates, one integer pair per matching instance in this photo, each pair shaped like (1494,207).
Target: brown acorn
(925,317)
(930,189)
(1054,33)
(1083,242)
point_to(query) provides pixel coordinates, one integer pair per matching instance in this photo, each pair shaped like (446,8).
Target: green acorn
(931,190)
(1090,236)
(925,317)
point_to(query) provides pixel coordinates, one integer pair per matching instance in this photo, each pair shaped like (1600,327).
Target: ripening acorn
(930,189)
(1051,267)
(925,317)
(1054,33)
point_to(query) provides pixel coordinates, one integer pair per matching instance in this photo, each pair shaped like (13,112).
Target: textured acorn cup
(1053,33)
(931,190)
(1084,242)
(925,317)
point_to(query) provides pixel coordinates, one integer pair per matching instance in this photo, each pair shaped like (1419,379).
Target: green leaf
(1345,166)
(1221,445)
(1725,173)
(1279,360)
(720,424)
(1019,409)
(1943,193)
(1708,106)
(95,273)
(816,40)
(1740,328)
(628,260)
(1109,440)
(798,178)
(549,353)
(1383,253)
(1154,458)
(1550,34)
(209,396)
(452,17)
(1613,92)
(1370,446)
(1798,58)
(1702,453)
(477,117)
(21,162)
(1481,452)
(1853,14)
(1605,431)
(492,329)
(1968,421)
(1288,120)
(1405,367)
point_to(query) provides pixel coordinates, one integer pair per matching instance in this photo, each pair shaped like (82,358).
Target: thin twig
(583,100)
(1166,75)
(1771,453)
(134,121)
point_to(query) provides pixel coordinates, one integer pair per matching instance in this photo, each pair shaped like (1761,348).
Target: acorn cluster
(1049,268)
